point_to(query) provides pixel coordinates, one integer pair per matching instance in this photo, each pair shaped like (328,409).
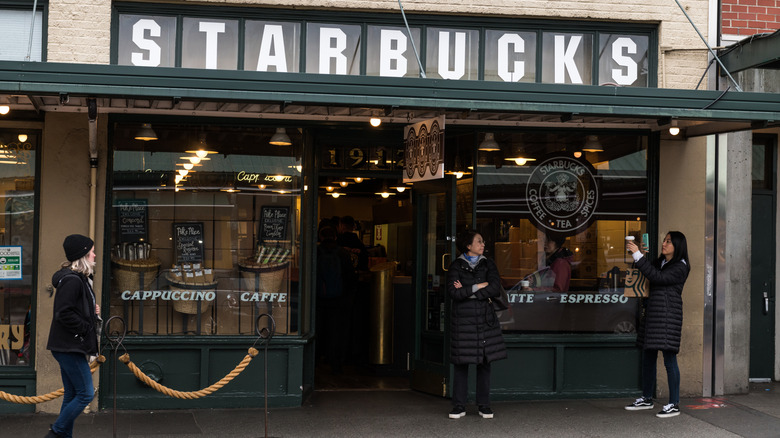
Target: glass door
(434,227)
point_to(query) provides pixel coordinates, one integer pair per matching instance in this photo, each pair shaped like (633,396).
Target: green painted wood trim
(304,88)
(752,53)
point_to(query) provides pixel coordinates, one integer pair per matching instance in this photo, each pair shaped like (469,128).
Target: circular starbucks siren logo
(562,194)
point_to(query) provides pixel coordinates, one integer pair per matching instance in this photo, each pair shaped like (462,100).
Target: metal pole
(32,26)
(265,333)
(712,52)
(414,47)
(115,340)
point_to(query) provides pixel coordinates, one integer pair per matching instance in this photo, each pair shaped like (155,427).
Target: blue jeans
(77,381)
(649,358)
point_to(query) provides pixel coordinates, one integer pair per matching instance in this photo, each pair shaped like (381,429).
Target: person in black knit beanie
(73,339)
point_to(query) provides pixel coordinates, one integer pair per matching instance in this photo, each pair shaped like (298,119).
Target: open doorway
(364,332)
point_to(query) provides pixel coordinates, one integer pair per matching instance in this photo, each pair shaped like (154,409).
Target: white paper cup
(629,238)
(525,283)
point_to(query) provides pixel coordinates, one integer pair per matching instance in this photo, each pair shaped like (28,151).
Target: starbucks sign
(562,194)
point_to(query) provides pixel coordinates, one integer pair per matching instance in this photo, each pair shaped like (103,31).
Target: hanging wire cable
(712,52)
(414,47)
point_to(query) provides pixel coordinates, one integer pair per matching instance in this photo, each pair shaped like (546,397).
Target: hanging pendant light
(592,144)
(146,133)
(489,143)
(280,138)
(518,155)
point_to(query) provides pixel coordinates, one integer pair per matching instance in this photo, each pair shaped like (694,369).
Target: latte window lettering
(509,55)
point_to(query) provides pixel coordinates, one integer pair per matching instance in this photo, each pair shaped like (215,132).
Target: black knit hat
(77,246)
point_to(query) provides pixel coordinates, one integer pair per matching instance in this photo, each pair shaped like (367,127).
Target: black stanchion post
(265,333)
(115,339)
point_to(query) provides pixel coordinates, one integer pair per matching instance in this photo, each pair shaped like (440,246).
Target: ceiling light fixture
(674,129)
(146,133)
(489,143)
(280,138)
(22,138)
(592,144)
(4,109)
(375,121)
(518,156)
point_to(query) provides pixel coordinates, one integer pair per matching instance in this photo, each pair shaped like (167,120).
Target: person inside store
(661,327)
(73,335)
(336,283)
(475,332)
(349,240)
(556,275)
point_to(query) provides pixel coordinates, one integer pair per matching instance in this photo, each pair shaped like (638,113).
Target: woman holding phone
(661,327)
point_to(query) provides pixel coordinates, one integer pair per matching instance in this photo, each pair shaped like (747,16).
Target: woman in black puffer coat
(661,327)
(475,333)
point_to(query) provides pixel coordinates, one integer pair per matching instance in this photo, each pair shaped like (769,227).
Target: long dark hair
(465,239)
(680,248)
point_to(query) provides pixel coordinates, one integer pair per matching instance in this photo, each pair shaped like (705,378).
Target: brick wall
(750,17)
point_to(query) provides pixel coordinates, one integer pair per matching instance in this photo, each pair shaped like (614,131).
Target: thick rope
(35,399)
(125,358)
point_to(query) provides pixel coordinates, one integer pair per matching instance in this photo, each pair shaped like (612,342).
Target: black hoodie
(73,326)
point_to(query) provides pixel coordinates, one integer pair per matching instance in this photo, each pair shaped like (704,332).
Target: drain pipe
(93,163)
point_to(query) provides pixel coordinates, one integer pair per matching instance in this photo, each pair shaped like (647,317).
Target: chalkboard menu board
(273,223)
(132,219)
(188,241)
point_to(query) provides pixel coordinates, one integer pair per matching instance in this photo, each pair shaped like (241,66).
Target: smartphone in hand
(645,242)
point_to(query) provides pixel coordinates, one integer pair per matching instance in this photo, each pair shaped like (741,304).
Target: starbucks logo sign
(562,194)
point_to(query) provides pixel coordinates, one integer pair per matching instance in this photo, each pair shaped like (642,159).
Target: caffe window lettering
(509,55)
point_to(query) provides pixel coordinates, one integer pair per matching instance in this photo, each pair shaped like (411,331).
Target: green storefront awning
(701,112)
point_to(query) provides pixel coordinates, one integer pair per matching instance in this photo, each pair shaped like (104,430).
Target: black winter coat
(475,332)
(661,327)
(73,327)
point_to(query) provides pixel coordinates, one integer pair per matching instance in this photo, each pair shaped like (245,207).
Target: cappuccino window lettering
(556,229)
(206,252)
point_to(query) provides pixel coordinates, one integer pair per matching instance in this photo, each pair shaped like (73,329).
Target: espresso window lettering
(209,43)
(147,41)
(623,60)
(395,57)
(333,49)
(567,58)
(510,56)
(452,54)
(271,46)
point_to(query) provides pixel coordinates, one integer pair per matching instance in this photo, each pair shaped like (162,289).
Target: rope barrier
(35,399)
(125,358)
(115,340)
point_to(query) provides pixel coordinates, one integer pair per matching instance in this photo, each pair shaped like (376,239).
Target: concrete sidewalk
(409,413)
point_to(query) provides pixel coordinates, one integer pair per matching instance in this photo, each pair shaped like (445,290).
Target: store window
(205,229)
(17,231)
(19,44)
(555,210)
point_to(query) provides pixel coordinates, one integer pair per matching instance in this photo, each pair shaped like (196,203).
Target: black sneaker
(669,410)
(640,404)
(485,412)
(457,412)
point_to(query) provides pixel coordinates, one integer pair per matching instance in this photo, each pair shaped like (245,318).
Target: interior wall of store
(64,210)
(682,208)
